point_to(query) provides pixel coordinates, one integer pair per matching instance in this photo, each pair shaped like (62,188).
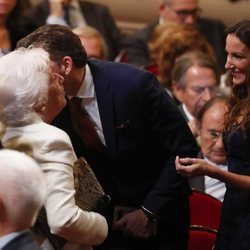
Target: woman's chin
(238,81)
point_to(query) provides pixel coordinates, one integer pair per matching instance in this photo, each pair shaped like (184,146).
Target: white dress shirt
(89,102)
(76,17)
(213,186)
(188,114)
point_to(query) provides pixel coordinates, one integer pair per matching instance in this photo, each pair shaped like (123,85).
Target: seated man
(76,13)
(93,42)
(210,122)
(195,81)
(135,46)
(22,192)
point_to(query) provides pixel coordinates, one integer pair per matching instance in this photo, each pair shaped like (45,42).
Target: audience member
(139,127)
(210,124)
(169,42)
(182,12)
(235,215)
(10,30)
(225,84)
(22,193)
(93,42)
(195,81)
(30,95)
(77,13)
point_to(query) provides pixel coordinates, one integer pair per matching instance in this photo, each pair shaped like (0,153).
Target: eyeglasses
(201,90)
(213,134)
(183,14)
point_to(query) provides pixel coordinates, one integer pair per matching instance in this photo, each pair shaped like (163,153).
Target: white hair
(24,79)
(22,188)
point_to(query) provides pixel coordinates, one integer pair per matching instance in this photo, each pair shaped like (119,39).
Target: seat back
(151,68)
(201,238)
(205,210)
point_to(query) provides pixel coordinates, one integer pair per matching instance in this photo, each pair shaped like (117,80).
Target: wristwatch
(150,217)
(151,220)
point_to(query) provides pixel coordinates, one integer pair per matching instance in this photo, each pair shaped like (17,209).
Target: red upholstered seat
(205,210)
(151,68)
(201,238)
(122,57)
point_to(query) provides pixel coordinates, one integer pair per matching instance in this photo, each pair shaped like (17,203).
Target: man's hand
(135,225)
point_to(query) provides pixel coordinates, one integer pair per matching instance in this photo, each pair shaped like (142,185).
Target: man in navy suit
(141,130)
(79,13)
(22,192)
(184,12)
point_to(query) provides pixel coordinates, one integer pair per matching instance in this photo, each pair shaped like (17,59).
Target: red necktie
(86,126)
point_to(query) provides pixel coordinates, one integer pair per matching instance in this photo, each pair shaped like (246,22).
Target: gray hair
(22,189)
(189,59)
(89,31)
(24,79)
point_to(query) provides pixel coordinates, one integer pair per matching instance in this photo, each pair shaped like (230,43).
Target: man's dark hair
(59,41)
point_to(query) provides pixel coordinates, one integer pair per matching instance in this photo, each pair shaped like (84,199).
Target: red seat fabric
(151,68)
(201,238)
(205,210)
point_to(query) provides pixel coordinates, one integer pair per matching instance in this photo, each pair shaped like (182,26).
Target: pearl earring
(43,108)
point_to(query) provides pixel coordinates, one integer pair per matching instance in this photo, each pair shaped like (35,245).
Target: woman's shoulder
(38,132)
(42,130)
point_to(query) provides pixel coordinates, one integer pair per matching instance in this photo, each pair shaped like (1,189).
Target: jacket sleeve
(171,132)
(56,157)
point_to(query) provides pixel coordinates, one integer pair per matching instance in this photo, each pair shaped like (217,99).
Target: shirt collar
(87,90)
(222,166)
(188,114)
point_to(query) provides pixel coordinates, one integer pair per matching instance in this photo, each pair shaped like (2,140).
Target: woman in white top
(30,97)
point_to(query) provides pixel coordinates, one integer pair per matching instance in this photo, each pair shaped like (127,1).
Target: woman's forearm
(241,182)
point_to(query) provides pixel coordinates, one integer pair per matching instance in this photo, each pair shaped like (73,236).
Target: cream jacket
(52,149)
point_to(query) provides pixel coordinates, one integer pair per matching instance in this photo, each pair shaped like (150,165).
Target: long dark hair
(238,114)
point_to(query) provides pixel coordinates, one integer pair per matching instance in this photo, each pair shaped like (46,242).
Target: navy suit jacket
(136,45)
(144,131)
(24,241)
(96,15)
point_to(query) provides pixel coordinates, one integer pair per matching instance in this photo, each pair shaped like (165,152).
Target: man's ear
(66,65)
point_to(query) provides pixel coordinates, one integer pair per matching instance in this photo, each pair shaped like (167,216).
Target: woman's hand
(191,167)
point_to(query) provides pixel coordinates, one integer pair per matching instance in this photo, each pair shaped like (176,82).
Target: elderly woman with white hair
(30,97)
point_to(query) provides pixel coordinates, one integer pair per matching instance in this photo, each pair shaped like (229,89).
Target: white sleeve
(55,20)
(64,217)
